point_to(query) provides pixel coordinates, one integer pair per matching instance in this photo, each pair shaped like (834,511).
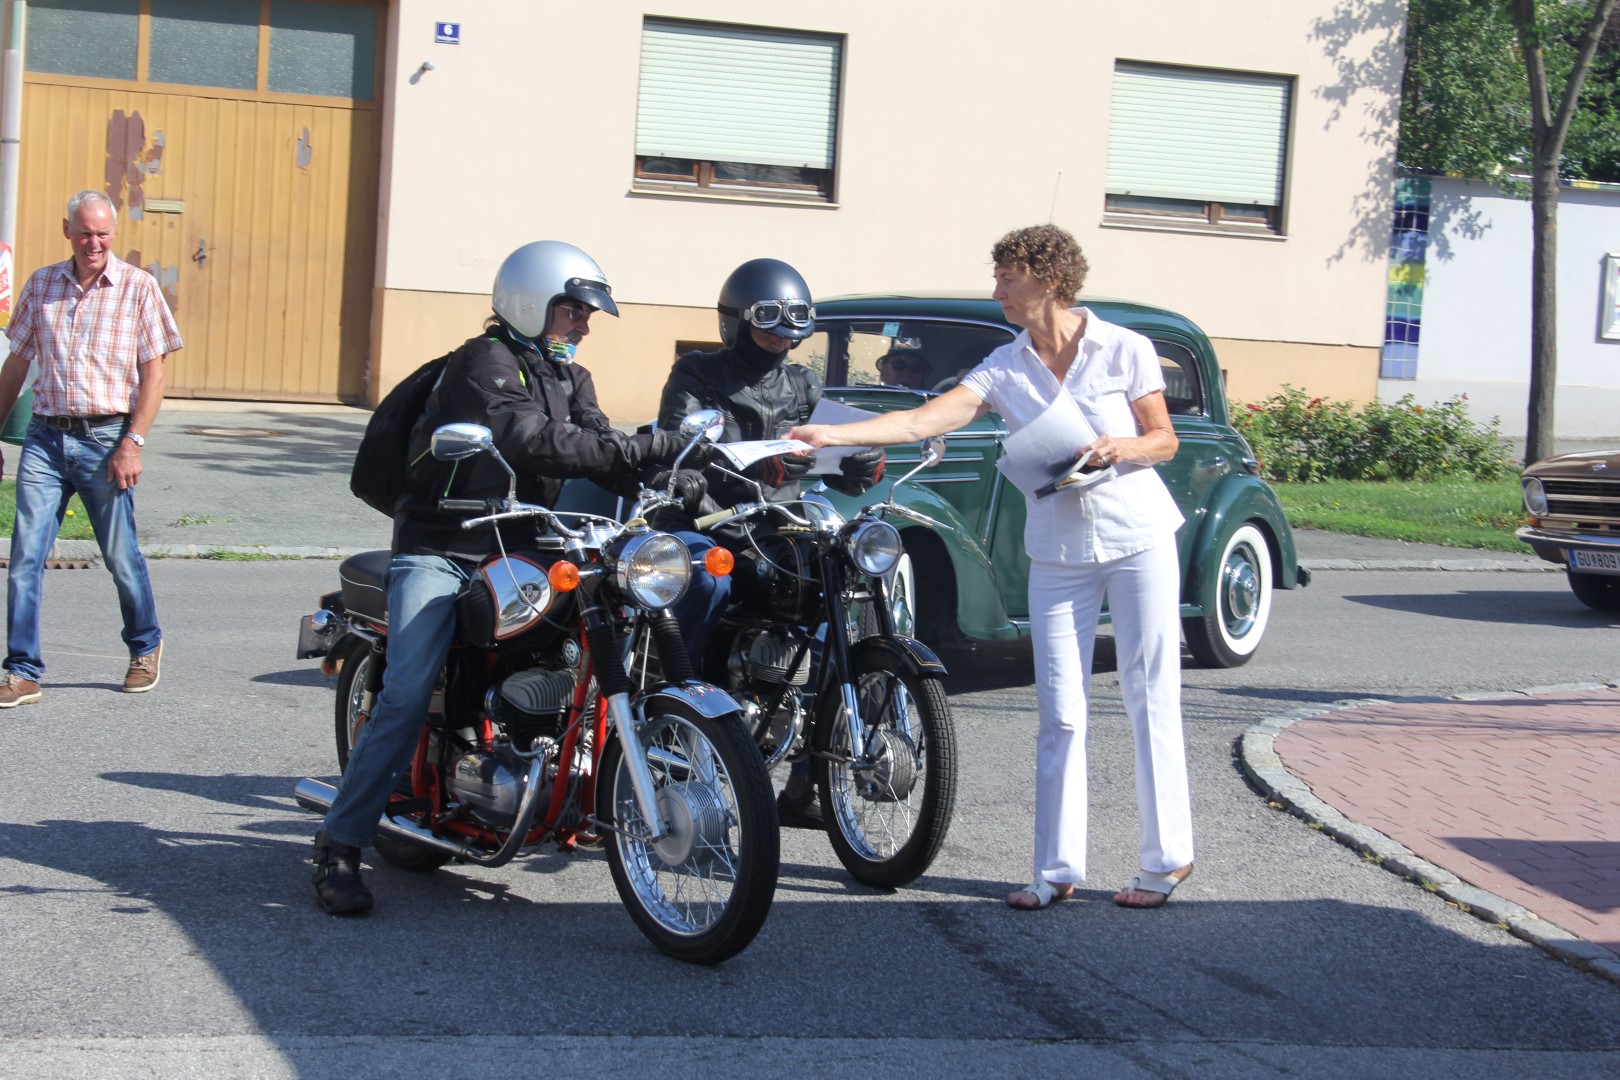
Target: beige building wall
(953,128)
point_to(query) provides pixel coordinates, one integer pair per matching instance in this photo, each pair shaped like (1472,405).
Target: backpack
(380,472)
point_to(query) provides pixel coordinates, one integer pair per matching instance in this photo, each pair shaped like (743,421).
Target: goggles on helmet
(768,313)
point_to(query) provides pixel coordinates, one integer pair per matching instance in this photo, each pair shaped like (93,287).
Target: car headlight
(875,547)
(1535,497)
(653,569)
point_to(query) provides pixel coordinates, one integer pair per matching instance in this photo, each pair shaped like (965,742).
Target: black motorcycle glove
(781,471)
(662,447)
(690,487)
(858,472)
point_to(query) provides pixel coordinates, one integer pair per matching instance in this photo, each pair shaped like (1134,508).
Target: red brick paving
(1519,796)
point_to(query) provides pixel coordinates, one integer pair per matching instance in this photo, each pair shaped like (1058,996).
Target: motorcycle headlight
(875,547)
(1535,497)
(653,569)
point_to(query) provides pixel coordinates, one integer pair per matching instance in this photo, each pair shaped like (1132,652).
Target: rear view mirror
(456,441)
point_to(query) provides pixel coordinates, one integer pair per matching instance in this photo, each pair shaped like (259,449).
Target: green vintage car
(1236,546)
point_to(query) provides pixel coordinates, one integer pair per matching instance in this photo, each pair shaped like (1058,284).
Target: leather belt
(81,425)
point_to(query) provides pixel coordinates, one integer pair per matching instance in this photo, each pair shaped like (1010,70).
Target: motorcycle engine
(766,660)
(489,783)
(531,704)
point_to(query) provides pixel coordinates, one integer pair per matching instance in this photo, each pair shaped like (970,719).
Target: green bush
(1309,439)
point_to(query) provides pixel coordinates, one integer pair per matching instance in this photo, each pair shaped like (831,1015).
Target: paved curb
(89,551)
(1537,566)
(1258,755)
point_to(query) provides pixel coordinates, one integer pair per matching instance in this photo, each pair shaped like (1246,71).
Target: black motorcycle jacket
(762,397)
(545,421)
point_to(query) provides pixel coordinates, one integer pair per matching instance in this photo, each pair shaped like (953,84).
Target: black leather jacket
(545,422)
(759,402)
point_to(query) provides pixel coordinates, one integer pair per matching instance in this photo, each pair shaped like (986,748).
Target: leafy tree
(1497,87)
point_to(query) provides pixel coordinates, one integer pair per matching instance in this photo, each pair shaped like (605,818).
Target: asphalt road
(156,916)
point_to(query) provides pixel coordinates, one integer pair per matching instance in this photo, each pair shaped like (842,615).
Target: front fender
(708,701)
(1237,499)
(911,656)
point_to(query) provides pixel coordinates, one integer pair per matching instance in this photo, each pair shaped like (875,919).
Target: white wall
(956,121)
(1476,308)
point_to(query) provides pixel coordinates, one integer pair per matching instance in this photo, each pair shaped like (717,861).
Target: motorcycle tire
(355,658)
(702,893)
(887,819)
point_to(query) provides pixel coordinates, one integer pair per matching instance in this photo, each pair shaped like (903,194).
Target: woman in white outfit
(1115,537)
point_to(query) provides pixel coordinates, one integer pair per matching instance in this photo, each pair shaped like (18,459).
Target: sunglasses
(575,312)
(919,366)
(768,313)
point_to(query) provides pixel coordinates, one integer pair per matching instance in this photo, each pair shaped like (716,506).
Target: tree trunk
(1538,443)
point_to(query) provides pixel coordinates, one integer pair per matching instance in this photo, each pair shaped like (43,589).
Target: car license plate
(1595,562)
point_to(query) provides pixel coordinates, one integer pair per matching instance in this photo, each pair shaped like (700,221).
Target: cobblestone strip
(1258,754)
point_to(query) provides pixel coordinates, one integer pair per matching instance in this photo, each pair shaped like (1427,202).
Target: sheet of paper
(743,454)
(830,459)
(1039,452)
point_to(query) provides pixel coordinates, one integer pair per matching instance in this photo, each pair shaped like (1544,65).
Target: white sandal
(1045,893)
(1149,882)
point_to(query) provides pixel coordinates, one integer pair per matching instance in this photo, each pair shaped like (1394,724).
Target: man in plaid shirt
(98,330)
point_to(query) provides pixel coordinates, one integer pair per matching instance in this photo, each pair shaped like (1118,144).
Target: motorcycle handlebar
(460,506)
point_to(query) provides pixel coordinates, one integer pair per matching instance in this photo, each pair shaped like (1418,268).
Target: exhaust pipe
(318,796)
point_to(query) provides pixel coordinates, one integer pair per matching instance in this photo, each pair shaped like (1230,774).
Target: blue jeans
(54,466)
(421,624)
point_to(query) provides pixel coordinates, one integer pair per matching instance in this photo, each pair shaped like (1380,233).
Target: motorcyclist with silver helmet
(765,310)
(519,379)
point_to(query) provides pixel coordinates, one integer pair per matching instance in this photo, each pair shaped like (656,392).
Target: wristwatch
(134,438)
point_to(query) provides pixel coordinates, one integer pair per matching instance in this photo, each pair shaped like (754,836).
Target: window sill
(1113,221)
(813,202)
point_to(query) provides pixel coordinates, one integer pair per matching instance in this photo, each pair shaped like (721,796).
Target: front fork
(841,665)
(612,677)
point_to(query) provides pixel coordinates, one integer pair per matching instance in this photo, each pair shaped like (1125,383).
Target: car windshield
(927,355)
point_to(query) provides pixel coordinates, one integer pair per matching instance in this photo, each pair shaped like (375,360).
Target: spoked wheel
(702,892)
(888,812)
(352,708)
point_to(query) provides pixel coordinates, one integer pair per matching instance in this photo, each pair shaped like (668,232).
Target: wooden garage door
(250,197)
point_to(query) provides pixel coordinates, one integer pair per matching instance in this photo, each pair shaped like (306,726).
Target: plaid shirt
(87,344)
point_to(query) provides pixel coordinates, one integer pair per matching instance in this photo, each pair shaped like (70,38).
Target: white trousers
(1144,597)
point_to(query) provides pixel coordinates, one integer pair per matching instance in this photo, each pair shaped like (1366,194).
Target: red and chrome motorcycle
(547,730)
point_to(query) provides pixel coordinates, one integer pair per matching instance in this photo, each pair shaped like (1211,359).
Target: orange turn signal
(563,575)
(718,562)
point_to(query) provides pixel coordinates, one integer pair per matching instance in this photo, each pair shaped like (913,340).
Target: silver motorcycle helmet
(537,275)
(769,294)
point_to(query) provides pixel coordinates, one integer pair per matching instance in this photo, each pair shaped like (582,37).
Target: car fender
(1235,500)
(979,610)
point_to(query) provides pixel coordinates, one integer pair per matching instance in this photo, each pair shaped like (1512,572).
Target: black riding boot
(797,807)
(337,878)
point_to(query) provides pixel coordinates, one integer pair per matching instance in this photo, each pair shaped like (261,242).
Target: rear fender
(1236,500)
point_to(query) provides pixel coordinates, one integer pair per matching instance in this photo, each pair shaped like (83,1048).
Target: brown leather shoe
(143,671)
(16,690)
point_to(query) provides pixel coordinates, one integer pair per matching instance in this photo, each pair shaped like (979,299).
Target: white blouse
(1126,514)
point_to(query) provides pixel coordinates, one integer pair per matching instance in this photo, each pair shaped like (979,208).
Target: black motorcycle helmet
(769,294)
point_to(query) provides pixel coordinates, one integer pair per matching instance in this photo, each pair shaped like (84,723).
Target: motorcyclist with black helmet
(520,380)
(765,310)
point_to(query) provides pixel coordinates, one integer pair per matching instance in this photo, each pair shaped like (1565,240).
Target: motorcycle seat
(363,577)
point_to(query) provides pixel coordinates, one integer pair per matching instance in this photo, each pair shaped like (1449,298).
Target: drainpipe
(11,119)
